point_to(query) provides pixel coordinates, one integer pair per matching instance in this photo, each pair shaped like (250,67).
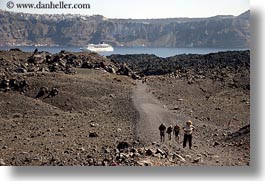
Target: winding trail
(152,114)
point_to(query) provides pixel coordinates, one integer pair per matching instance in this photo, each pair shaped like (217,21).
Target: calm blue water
(161,52)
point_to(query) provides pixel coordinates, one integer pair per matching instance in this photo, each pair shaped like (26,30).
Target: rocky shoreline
(77,109)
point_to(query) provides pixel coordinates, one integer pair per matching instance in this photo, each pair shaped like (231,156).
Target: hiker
(176,132)
(169,131)
(188,129)
(162,129)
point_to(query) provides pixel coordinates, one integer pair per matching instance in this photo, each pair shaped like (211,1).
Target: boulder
(197,160)
(159,151)
(133,150)
(18,85)
(13,84)
(4,84)
(42,91)
(106,150)
(54,92)
(122,145)
(32,68)
(87,64)
(179,157)
(112,70)
(124,70)
(91,161)
(216,143)
(149,152)
(21,70)
(93,135)
(102,65)
(37,58)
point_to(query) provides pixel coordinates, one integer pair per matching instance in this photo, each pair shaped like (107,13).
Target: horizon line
(123,18)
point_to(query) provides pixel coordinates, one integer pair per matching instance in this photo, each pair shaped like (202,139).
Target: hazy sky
(144,8)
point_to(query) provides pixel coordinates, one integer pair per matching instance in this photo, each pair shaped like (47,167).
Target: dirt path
(152,114)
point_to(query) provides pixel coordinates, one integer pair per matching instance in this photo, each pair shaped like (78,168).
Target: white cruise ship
(102,47)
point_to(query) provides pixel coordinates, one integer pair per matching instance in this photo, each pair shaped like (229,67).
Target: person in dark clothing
(176,131)
(162,129)
(169,131)
(188,129)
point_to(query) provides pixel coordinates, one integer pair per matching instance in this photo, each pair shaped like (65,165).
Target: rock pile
(63,61)
(15,84)
(47,93)
(231,67)
(128,155)
(15,63)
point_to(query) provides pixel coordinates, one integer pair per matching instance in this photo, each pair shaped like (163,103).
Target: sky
(141,9)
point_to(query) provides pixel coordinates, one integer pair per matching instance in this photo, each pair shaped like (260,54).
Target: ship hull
(98,48)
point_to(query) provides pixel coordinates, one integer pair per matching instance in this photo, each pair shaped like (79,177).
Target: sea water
(161,52)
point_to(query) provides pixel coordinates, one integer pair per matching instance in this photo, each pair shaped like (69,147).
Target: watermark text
(50,5)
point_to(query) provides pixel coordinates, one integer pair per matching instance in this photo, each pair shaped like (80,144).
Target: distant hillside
(218,31)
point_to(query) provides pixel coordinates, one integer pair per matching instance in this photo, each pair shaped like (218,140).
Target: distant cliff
(218,31)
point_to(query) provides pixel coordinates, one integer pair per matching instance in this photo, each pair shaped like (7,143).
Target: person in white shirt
(188,129)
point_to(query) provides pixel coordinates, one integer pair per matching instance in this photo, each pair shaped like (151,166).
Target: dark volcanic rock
(149,152)
(123,145)
(231,67)
(15,84)
(93,135)
(15,50)
(153,65)
(46,62)
(43,91)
